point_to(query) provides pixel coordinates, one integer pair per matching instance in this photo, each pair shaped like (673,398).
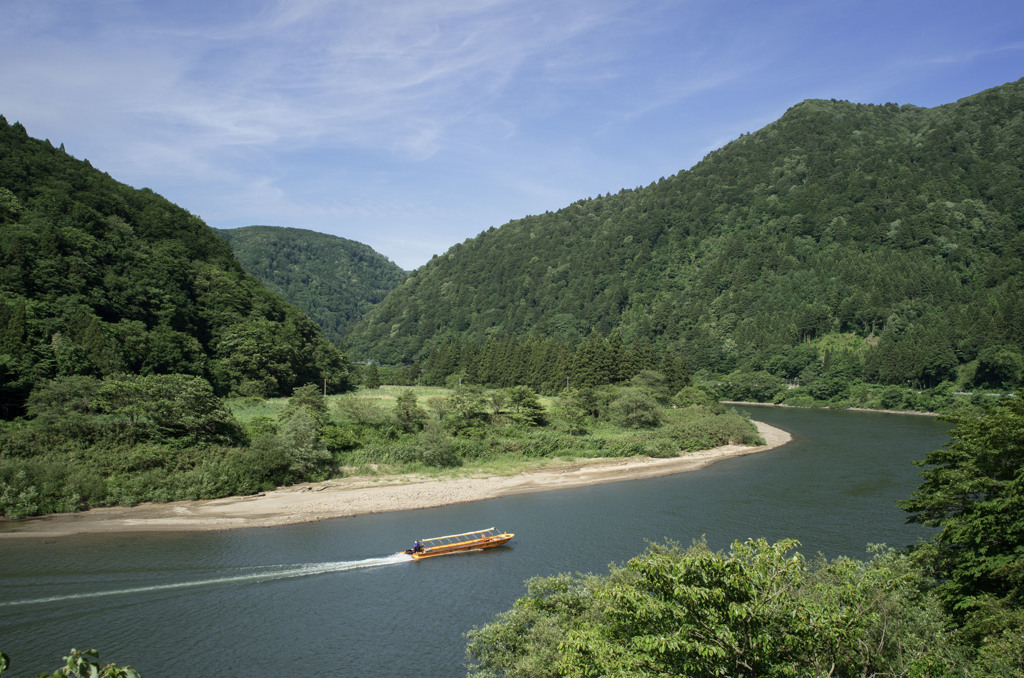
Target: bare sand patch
(360,495)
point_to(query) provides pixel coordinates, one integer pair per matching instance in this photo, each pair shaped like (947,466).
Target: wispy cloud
(402,121)
(395,74)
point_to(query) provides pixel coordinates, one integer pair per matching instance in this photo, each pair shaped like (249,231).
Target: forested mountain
(894,232)
(98,278)
(334,280)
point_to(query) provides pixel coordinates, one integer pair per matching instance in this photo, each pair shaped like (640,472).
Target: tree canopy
(334,280)
(896,226)
(98,279)
(759,610)
(973,489)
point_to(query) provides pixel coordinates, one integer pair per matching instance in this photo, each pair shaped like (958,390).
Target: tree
(636,408)
(408,415)
(169,407)
(311,399)
(525,405)
(593,364)
(363,411)
(572,414)
(693,395)
(467,409)
(371,376)
(752,386)
(759,610)
(306,450)
(998,367)
(185,407)
(673,366)
(973,489)
(440,405)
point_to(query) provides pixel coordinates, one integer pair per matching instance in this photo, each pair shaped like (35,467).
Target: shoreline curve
(343,497)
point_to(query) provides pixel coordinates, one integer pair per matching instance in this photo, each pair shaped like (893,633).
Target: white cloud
(403,117)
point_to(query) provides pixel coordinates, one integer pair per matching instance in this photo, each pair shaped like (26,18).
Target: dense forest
(334,280)
(100,279)
(843,242)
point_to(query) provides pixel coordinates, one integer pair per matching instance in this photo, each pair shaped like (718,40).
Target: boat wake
(259,574)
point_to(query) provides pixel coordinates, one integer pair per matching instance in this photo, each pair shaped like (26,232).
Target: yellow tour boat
(457,543)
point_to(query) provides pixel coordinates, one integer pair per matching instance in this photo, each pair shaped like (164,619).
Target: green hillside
(334,280)
(892,234)
(100,279)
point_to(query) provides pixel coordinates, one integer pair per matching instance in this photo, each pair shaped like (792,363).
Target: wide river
(332,598)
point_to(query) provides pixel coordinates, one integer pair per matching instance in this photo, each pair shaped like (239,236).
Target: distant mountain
(901,228)
(334,280)
(98,278)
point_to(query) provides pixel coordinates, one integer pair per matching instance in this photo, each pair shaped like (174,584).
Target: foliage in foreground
(759,610)
(973,489)
(81,665)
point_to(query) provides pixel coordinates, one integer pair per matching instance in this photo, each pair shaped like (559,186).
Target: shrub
(699,429)
(18,497)
(438,450)
(693,395)
(636,409)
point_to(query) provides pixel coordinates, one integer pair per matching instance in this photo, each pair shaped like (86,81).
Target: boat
(458,543)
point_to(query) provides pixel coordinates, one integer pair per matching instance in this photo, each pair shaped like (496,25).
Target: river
(332,598)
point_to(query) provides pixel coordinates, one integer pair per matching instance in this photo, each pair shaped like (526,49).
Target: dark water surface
(332,599)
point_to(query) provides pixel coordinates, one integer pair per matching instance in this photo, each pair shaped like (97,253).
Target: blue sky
(412,125)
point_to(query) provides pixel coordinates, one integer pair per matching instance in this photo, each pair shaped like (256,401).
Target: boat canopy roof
(456,538)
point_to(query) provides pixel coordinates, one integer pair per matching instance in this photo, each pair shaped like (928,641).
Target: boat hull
(460,547)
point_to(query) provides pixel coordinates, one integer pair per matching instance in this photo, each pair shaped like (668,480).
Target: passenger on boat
(416,546)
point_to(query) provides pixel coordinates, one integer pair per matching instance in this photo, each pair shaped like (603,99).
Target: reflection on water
(333,598)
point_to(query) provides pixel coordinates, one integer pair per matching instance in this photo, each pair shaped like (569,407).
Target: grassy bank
(74,456)
(474,430)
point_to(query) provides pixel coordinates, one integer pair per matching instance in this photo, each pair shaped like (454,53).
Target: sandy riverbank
(361,495)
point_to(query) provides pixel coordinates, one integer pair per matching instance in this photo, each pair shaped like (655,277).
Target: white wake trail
(271,573)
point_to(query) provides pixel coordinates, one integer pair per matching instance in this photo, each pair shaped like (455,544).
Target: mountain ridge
(896,223)
(98,279)
(333,279)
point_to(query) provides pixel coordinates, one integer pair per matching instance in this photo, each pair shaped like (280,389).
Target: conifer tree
(371,376)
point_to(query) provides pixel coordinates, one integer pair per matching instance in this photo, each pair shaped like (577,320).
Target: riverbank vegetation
(92,442)
(953,606)
(81,664)
(834,371)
